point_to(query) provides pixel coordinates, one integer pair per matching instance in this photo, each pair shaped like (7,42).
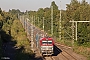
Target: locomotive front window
(44,42)
(49,42)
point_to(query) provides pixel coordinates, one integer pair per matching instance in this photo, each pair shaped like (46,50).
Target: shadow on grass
(10,52)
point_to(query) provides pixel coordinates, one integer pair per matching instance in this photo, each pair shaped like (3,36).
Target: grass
(85,51)
(65,42)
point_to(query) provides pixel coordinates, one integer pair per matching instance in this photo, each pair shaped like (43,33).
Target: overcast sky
(24,5)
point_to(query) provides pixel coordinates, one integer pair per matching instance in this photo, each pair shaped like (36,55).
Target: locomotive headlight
(52,47)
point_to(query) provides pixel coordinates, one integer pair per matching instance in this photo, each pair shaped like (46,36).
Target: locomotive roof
(46,38)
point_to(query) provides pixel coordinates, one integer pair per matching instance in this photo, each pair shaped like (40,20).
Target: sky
(24,5)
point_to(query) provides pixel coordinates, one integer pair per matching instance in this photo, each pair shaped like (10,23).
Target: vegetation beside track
(23,46)
(12,31)
(82,49)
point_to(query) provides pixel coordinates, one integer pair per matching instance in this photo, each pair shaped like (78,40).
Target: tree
(0,10)
(55,7)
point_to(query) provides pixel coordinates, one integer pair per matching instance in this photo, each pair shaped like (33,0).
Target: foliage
(80,11)
(11,25)
(20,36)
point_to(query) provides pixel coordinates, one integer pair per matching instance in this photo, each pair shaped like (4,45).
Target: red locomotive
(46,45)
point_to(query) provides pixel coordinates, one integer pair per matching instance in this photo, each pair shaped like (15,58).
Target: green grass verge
(65,42)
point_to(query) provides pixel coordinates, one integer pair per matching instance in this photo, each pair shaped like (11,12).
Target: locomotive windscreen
(49,42)
(46,42)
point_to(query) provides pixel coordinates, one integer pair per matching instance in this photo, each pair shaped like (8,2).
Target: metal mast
(76,26)
(43,23)
(38,21)
(52,20)
(34,21)
(32,35)
(60,22)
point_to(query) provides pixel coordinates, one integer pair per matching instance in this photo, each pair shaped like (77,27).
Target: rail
(67,55)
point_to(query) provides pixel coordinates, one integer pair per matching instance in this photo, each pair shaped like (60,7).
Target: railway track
(49,58)
(65,54)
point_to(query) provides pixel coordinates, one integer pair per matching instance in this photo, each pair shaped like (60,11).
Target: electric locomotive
(46,45)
